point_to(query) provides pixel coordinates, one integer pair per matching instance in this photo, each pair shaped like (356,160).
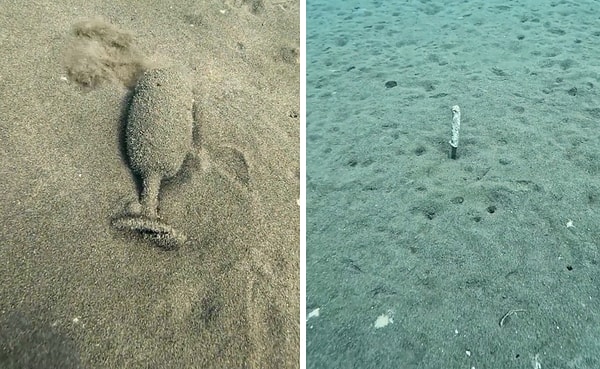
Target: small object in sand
(390,84)
(313,314)
(455,130)
(384,319)
(159,131)
(509,313)
(163,234)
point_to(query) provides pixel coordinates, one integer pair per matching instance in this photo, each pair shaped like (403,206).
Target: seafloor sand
(77,293)
(441,249)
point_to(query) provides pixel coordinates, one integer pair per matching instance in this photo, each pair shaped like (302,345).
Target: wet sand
(78,293)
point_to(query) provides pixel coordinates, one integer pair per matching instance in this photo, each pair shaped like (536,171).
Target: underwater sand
(412,258)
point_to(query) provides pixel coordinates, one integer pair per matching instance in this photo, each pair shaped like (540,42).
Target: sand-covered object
(159,131)
(161,233)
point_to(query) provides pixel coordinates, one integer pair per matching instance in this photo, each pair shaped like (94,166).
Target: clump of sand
(101,52)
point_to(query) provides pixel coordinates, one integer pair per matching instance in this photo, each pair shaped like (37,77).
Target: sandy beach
(415,260)
(78,293)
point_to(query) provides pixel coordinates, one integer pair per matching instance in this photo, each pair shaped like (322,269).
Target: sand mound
(99,51)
